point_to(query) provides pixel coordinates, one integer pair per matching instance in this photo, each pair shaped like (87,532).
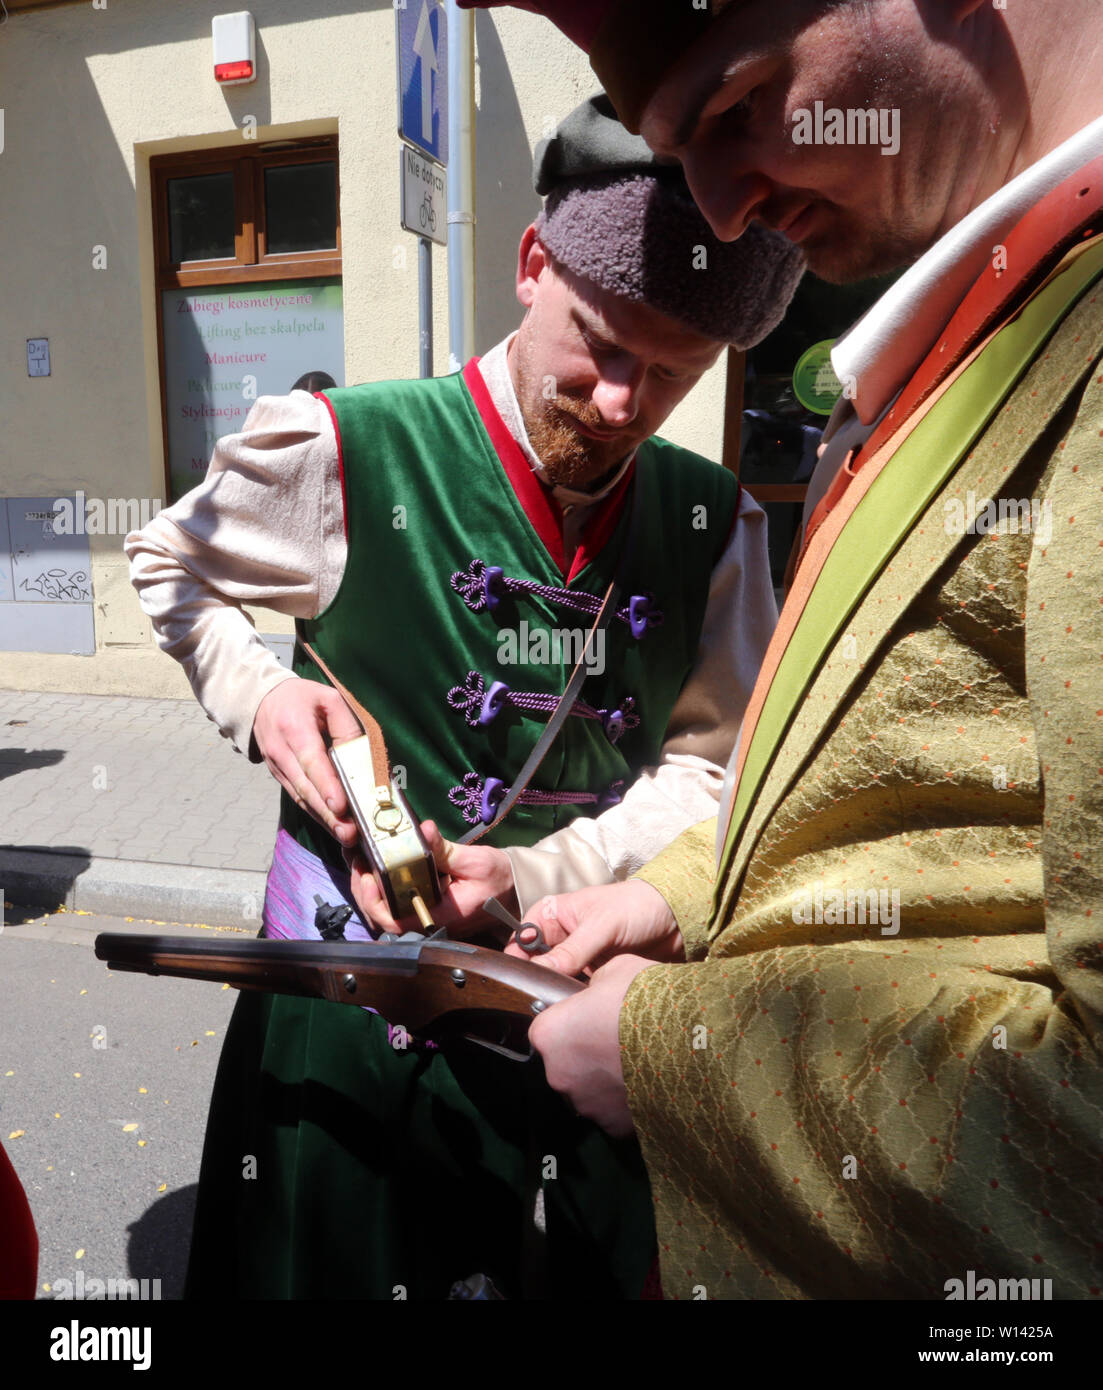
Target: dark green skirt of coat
(336,1166)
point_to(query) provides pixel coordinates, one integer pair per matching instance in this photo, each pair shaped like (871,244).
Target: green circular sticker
(814,381)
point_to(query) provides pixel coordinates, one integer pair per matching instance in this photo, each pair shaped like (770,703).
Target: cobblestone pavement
(140,780)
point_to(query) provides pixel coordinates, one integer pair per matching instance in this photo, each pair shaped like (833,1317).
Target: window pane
(201,217)
(301,207)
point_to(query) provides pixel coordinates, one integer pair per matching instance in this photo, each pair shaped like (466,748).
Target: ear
(532,261)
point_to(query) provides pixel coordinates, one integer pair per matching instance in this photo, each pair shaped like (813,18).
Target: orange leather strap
(380,761)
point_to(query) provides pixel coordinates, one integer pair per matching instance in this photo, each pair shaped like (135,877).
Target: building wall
(89,96)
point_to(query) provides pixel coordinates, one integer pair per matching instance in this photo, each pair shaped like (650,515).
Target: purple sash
(289,908)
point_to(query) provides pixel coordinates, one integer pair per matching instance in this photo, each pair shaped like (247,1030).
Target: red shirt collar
(537,501)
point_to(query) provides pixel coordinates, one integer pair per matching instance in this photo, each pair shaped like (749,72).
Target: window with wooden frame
(248,271)
(230,216)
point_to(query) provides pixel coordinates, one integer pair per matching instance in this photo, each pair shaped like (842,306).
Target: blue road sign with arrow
(422,35)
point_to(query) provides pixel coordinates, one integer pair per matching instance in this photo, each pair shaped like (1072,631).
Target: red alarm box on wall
(235,48)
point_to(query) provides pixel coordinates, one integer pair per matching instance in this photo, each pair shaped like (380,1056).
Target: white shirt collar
(882,350)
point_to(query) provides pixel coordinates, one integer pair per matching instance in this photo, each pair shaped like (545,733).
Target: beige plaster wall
(89,96)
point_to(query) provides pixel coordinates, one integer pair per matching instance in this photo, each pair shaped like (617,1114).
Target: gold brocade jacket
(831,1107)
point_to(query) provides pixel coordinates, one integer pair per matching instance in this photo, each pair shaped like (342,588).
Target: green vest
(426,494)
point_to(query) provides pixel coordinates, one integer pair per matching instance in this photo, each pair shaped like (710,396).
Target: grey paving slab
(119,804)
(105,1079)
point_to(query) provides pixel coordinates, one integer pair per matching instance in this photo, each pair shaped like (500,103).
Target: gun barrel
(441,987)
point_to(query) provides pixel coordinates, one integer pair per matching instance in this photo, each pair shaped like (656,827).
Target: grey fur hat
(627,223)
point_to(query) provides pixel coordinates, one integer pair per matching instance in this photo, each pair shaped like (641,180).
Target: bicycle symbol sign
(424,196)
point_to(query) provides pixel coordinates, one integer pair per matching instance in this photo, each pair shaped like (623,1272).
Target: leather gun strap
(380,762)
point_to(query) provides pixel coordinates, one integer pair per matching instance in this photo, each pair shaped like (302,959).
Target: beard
(569,459)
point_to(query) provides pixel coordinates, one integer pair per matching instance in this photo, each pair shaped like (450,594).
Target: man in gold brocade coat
(869,1063)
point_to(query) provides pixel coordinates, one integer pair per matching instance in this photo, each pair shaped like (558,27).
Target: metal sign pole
(461,185)
(425,305)
(421,41)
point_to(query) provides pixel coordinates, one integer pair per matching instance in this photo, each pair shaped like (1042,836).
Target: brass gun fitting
(391,838)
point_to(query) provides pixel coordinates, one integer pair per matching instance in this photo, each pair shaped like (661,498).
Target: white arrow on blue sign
(422,42)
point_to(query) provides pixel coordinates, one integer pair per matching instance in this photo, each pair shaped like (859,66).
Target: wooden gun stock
(434,987)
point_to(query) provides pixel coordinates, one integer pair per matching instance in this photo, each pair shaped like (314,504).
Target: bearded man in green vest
(435,540)
(871,1065)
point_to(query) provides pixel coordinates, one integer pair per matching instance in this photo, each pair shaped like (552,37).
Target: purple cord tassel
(478,798)
(482,587)
(480,706)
